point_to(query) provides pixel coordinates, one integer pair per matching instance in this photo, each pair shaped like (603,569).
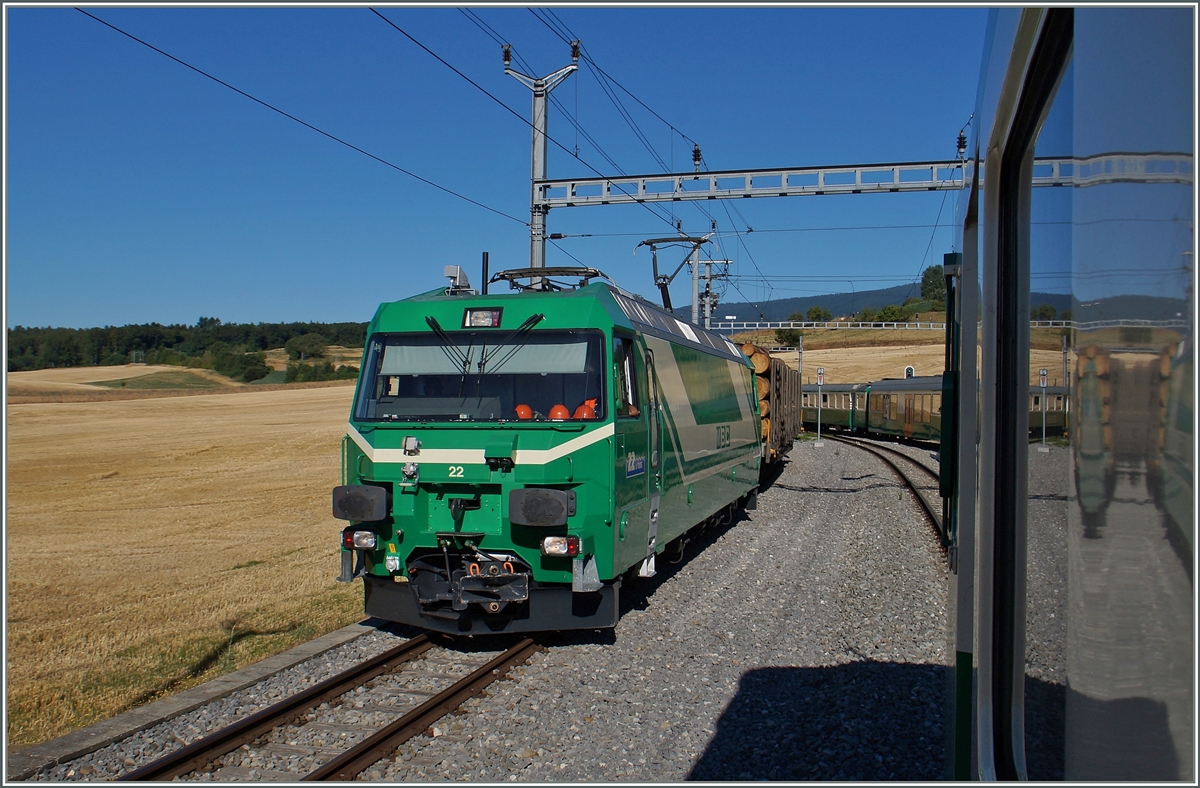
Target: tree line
(233,349)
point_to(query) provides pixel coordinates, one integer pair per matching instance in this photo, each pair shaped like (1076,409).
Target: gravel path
(805,641)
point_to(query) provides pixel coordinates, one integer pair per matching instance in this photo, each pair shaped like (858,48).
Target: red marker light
(564,546)
(359,540)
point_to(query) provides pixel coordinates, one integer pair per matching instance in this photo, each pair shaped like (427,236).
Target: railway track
(369,706)
(930,505)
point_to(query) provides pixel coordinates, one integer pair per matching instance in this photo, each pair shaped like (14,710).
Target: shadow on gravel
(770,473)
(861,721)
(844,490)
(636,592)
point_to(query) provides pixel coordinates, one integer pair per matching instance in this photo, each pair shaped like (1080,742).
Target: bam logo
(634,465)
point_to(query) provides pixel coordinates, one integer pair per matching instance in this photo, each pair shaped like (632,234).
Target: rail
(348,764)
(383,743)
(198,753)
(935,519)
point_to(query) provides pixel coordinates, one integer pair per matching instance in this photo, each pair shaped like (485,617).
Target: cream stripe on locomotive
(475,456)
(700,440)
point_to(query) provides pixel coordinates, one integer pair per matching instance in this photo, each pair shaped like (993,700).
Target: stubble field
(156,543)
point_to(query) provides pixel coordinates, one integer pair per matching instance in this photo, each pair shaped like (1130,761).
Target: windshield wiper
(514,337)
(451,350)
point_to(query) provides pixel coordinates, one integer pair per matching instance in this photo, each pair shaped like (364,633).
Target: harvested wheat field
(863,364)
(78,378)
(337,355)
(156,543)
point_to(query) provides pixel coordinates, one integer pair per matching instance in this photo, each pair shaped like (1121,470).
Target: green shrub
(306,346)
(255,372)
(307,373)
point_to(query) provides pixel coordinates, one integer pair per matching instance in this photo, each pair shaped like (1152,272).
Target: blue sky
(141,191)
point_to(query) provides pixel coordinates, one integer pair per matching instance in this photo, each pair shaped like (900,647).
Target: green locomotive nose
(513,456)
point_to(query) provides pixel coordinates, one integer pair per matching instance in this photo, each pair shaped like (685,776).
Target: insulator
(962,144)
(696,155)
(507,54)
(575,50)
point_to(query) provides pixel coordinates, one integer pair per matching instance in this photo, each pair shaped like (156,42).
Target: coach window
(627,388)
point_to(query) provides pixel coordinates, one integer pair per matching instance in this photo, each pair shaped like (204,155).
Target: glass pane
(419,377)
(1109,649)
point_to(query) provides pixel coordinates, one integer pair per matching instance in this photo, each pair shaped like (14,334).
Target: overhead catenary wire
(564,33)
(603,78)
(492,33)
(485,91)
(587,56)
(495,35)
(306,124)
(600,72)
(941,207)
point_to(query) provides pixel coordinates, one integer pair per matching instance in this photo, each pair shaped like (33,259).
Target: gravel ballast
(808,640)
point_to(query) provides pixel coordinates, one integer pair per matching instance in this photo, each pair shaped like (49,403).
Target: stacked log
(761,360)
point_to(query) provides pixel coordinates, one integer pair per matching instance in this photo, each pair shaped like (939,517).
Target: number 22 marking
(456,471)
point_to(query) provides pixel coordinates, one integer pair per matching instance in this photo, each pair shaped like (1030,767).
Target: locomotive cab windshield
(472,377)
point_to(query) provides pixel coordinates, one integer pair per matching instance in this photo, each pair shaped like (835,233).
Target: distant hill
(845,304)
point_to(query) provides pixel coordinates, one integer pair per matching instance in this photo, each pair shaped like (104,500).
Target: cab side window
(626,377)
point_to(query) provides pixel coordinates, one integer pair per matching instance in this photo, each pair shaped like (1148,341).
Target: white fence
(1090,325)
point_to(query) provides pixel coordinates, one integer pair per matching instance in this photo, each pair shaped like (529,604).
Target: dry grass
(156,543)
(850,338)
(78,378)
(334,354)
(862,364)
(175,379)
(19,394)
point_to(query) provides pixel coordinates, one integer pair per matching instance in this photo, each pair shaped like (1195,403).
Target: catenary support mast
(541,88)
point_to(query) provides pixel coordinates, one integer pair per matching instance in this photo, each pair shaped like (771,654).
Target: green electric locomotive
(510,457)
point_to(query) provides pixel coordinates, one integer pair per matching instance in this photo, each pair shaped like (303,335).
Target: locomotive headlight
(359,540)
(481,318)
(561,546)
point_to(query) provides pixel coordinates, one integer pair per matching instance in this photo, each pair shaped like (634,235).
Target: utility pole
(541,91)
(708,297)
(696,277)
